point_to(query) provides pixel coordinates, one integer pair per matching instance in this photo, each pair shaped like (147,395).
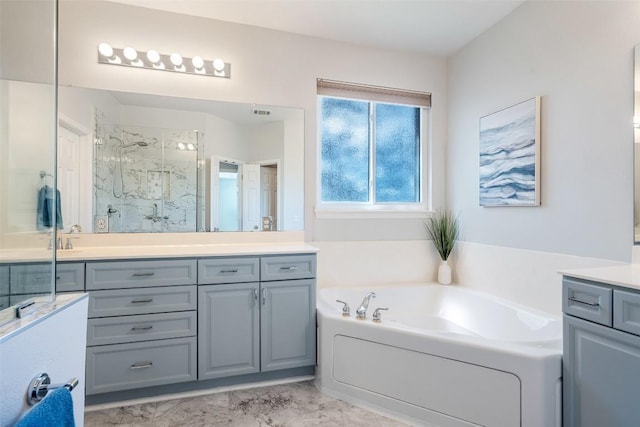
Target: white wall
(576,55)
(27,150)
(268,68)
(579,57)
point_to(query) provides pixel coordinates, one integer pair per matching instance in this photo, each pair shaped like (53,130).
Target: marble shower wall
(145,178)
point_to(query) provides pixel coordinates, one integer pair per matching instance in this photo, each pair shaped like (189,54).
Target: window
(371,145)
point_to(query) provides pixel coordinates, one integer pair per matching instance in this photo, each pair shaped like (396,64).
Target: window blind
(373,93)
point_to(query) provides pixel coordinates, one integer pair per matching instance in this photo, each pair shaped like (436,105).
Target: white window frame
(369,209)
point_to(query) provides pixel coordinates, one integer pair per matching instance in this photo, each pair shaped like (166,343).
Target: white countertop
(627,275)
(156,251)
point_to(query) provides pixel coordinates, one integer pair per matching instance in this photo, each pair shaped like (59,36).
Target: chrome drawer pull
(142,328)
(591,304)
(150,273)
(235,270)
(141,301)
(142,365)
(255,294)
(292,268)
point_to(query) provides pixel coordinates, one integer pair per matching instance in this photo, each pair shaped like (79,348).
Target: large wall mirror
(130,162)
(27,153)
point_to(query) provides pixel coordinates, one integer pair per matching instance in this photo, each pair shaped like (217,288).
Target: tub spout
(361,312)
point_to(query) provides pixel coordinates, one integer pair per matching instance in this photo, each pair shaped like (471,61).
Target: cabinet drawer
(119,302)
(126,366)
(31,278)
(126,274)
(70,277)
(288,267)
(228,270)
(587,301)
(626,311)
(145,327)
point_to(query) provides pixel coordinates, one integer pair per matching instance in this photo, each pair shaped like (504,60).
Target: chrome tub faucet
(361,312)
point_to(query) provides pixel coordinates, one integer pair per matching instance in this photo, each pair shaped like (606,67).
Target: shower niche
(146,179)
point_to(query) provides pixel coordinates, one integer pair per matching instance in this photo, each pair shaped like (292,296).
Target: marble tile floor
(286,405)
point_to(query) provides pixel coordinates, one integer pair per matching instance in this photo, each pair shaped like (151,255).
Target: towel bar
(41,384)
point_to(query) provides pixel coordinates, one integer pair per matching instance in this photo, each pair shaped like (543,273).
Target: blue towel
(46,210)
(55,410)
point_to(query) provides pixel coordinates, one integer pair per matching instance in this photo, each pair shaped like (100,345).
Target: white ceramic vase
(444,273)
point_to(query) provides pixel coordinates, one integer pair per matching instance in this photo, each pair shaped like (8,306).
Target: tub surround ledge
(43,310)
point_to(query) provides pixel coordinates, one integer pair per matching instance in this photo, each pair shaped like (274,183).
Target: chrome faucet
(361,312)
(77,228)
(154,216)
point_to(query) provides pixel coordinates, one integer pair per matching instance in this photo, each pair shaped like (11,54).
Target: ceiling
(437,27)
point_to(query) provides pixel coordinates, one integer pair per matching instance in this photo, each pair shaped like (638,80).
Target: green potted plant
(443,228)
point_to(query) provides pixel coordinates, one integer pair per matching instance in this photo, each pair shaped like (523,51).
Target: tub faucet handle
(346,311)
(377,316)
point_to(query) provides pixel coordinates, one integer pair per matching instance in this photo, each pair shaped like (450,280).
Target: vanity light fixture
(154,60)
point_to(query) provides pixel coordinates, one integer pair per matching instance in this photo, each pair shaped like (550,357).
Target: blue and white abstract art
(510,156)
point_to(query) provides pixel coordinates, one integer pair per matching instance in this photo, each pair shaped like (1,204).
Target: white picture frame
(509,148)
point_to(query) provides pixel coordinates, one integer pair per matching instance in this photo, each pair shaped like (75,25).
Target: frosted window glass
(397,148)
(345,150)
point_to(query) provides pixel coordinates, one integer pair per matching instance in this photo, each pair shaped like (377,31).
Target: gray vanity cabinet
(601,360)
(21,281)
(142,324)
(252,327)
(5,288)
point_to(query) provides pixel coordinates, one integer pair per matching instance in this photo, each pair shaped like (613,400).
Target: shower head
(139,144)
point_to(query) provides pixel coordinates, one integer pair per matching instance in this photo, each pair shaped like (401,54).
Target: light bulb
(176,59)
(190,147)
(105,49)
(181,145)
(197,61)
(218,65)
(130,53)
(153,56)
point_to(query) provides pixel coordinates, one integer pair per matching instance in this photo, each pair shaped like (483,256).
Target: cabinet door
(70,277)
(601,378)
(228,330)
(288,327)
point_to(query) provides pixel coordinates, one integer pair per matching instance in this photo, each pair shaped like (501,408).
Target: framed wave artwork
(510,156)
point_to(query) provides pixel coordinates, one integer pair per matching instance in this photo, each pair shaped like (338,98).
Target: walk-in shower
(118,181)
(146,179)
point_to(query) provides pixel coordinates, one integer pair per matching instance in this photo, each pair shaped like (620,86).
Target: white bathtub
(442,356)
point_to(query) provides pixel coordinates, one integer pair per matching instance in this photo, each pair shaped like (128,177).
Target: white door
(251,220)
(269,193)
(69,177)
(214,191)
